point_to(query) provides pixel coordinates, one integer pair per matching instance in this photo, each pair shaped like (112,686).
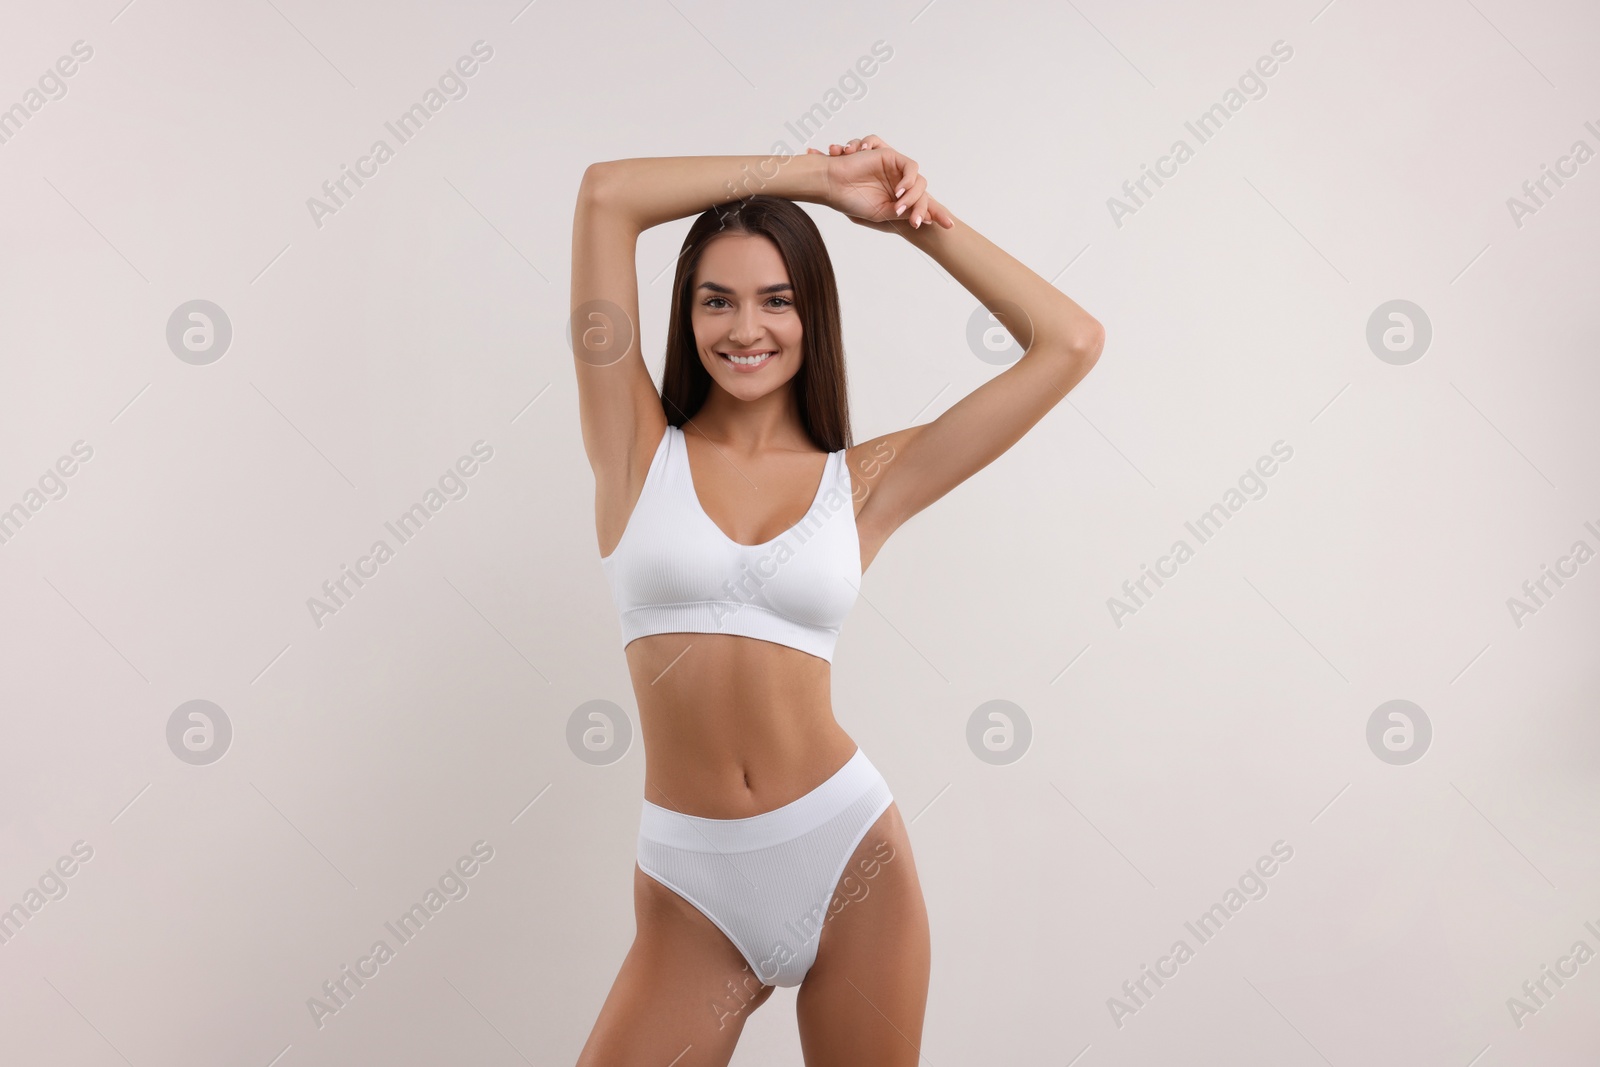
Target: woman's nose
(745,326)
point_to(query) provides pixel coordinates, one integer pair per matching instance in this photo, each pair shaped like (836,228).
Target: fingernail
(901,210)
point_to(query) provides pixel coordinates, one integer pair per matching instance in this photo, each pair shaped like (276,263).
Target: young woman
(735,517)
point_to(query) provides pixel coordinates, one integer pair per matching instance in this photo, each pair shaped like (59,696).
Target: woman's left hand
(874,185)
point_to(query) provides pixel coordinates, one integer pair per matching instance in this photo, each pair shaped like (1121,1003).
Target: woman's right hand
(874,185)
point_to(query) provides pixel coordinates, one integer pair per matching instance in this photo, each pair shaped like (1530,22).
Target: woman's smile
(747,360)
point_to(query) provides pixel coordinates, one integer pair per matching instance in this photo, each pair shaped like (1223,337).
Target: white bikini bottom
(767,881)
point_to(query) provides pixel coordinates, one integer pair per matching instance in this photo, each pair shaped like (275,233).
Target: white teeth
(748,361)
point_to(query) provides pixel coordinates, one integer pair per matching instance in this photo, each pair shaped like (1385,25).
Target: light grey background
(369,353)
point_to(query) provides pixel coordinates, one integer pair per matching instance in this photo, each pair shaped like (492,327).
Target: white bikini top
(675,571)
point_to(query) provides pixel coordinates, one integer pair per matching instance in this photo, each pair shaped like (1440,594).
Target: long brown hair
(819,386)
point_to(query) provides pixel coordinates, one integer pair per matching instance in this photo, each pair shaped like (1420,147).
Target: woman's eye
(715,301)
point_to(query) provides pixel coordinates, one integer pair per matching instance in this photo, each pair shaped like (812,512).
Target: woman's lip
(752,368)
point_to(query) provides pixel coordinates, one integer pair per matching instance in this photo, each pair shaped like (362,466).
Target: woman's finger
(908,175)
(914,191)
(915,196)
(909,200)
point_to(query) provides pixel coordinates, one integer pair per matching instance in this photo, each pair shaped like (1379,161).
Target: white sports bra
(675,571)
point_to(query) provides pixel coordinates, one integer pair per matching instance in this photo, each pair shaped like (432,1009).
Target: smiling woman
(754,277)
(735,517)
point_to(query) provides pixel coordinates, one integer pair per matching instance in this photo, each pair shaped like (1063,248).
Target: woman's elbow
(597,180)
(1089,340)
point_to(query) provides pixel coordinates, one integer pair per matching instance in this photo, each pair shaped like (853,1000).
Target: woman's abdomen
(732,726)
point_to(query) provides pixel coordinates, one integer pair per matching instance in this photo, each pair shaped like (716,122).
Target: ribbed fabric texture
(767,881)
(675,571)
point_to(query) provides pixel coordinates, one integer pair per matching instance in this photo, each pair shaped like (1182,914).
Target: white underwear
(767,881)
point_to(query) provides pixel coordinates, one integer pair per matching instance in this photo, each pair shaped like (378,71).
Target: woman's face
(743,305)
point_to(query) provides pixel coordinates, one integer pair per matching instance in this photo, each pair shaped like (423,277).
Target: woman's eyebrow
(777,287)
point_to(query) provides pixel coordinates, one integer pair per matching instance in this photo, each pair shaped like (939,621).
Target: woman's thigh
(683,992)
(863,999)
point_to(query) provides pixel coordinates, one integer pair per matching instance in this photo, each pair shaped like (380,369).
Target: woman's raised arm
(653,190)
(1061,342)
(618,405)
